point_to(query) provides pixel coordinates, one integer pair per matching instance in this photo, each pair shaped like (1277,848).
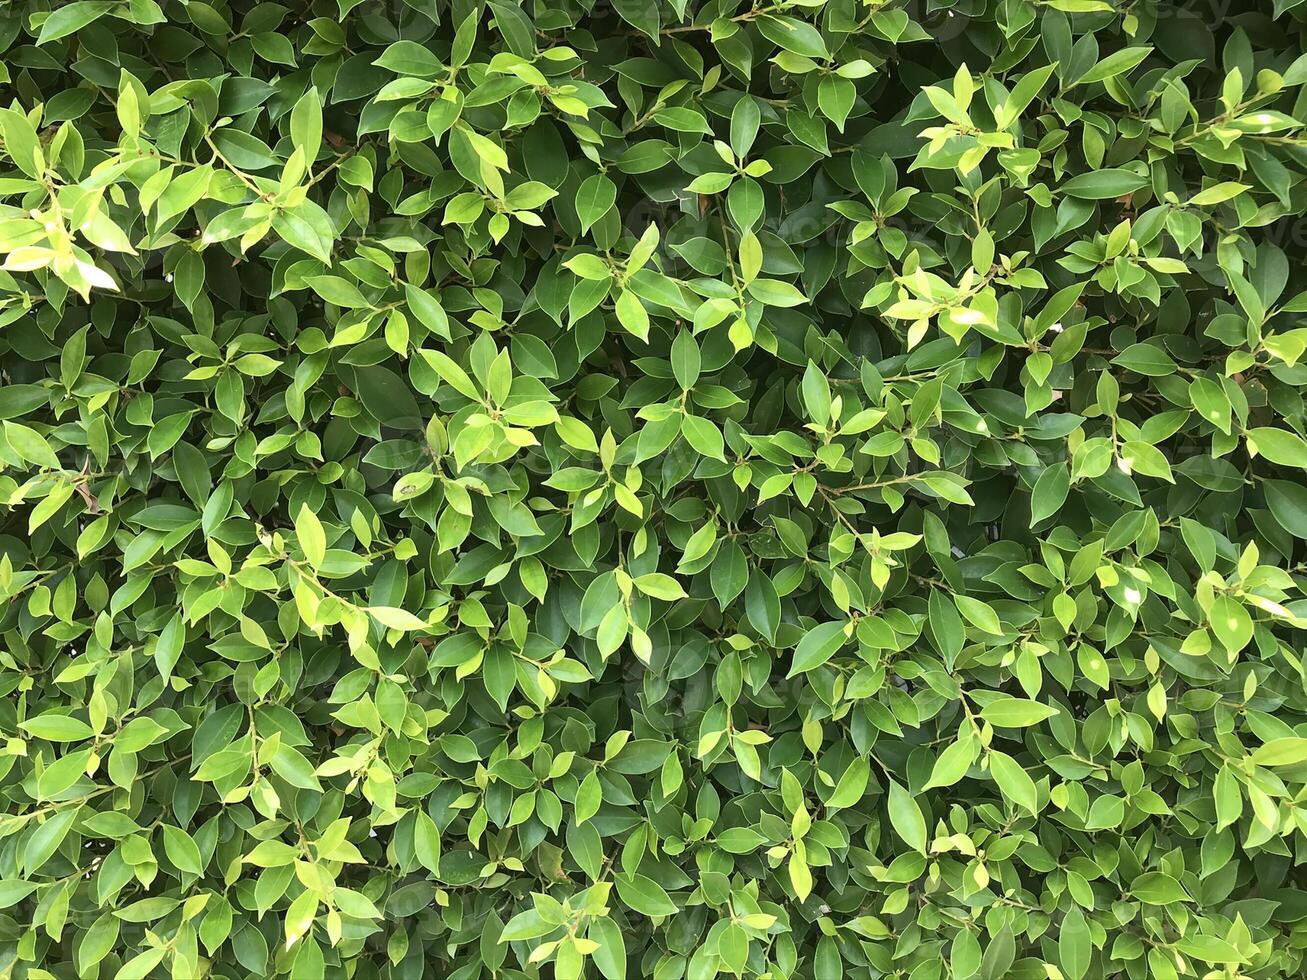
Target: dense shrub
(803,490)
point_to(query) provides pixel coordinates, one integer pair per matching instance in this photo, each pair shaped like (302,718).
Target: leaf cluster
(669,488)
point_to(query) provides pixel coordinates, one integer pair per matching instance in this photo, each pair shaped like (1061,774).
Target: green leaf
(745,119)
(851,786)
(306,125)
(409,58)
(1073,945)
(29,445)
(71,18)
(643,15)
(1279,446)
(979,614)
(704,437)
(1116,63)
(953,763)
(593,199)
(905,817)
(451,373)
(98,941)
(339,291)
(1103,185)
(1009,712)
(588,798)
(659,586)
(311,537)
(1050,493)
(13,891)
(426,842)
(1286,751)
(56,728)
(1156,888)
(632,315)
(644,895)
(818,645)
(1231,623)
(686,360)
(610,956)
(392,617)
(1013,781)
(1146,359)
(775,292)
(182,850)
(815,389)
(946,625)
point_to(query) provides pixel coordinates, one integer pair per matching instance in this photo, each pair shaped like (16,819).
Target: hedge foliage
(812,489)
